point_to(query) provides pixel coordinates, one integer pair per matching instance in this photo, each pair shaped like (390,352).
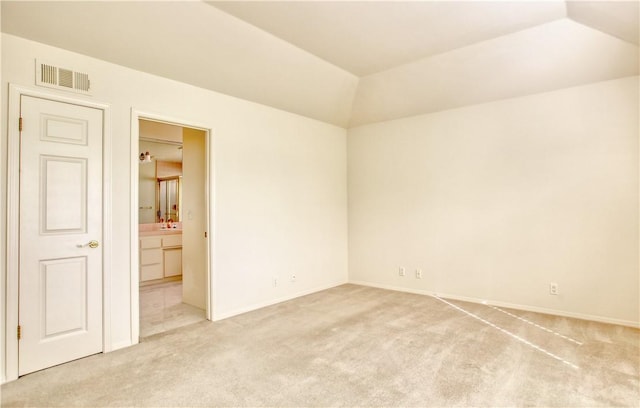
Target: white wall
(194,218)
(495,201)
(285,211)
(279,188)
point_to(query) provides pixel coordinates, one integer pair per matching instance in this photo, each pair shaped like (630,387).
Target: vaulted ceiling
(349,63)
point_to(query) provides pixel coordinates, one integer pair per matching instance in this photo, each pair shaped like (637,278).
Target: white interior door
(60,297)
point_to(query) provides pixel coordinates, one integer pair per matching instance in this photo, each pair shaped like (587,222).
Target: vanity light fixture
(145,157)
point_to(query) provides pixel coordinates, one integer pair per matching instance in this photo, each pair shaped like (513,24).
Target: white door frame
(136,115)
(13,225)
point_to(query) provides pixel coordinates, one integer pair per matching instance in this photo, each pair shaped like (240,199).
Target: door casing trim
(10,350)
(136,115)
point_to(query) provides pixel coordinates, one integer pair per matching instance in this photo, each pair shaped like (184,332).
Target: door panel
(63,130)
(63,296)
(60,305)
(63,184)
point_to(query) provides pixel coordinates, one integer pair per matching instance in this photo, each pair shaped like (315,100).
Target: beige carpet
(357,346)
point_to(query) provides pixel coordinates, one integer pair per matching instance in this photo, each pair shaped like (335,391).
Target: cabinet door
(172,262)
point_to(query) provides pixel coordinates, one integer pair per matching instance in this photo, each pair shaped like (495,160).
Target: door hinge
(19,332)
(20,124)
(205,234)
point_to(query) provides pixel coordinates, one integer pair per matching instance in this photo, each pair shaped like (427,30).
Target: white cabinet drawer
(150,242)
(150,272)
(172,240)
(151,256)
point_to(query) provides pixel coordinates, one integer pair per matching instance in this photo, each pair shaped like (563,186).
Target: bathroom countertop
(165,231)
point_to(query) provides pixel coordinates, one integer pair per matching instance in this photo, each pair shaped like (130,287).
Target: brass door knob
(90,244)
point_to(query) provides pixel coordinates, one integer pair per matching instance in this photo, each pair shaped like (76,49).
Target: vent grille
(61,78)
(81,81)
(49,74)
(65,78)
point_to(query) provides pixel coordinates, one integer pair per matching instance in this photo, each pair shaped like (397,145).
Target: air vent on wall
(61,78)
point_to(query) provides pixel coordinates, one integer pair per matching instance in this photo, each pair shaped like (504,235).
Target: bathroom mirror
(168,199)
(162,173)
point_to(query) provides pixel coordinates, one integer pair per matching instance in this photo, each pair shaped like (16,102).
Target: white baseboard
(120,345)
(527,308)
(256,306)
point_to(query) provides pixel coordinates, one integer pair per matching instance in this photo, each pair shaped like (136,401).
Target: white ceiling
(190,42)
(617,18)
(349,63)
(547,57)
(368,37)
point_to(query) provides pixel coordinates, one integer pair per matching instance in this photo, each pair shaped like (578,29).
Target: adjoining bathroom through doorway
(172,226)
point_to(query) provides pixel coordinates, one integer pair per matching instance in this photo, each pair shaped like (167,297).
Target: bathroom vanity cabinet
(160,255)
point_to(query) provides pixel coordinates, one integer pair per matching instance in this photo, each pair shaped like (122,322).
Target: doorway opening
(173,262)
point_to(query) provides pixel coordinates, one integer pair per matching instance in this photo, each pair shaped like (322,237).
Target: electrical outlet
(275,282)
(401,271)
(293,277)
(553,288)
(418,273)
